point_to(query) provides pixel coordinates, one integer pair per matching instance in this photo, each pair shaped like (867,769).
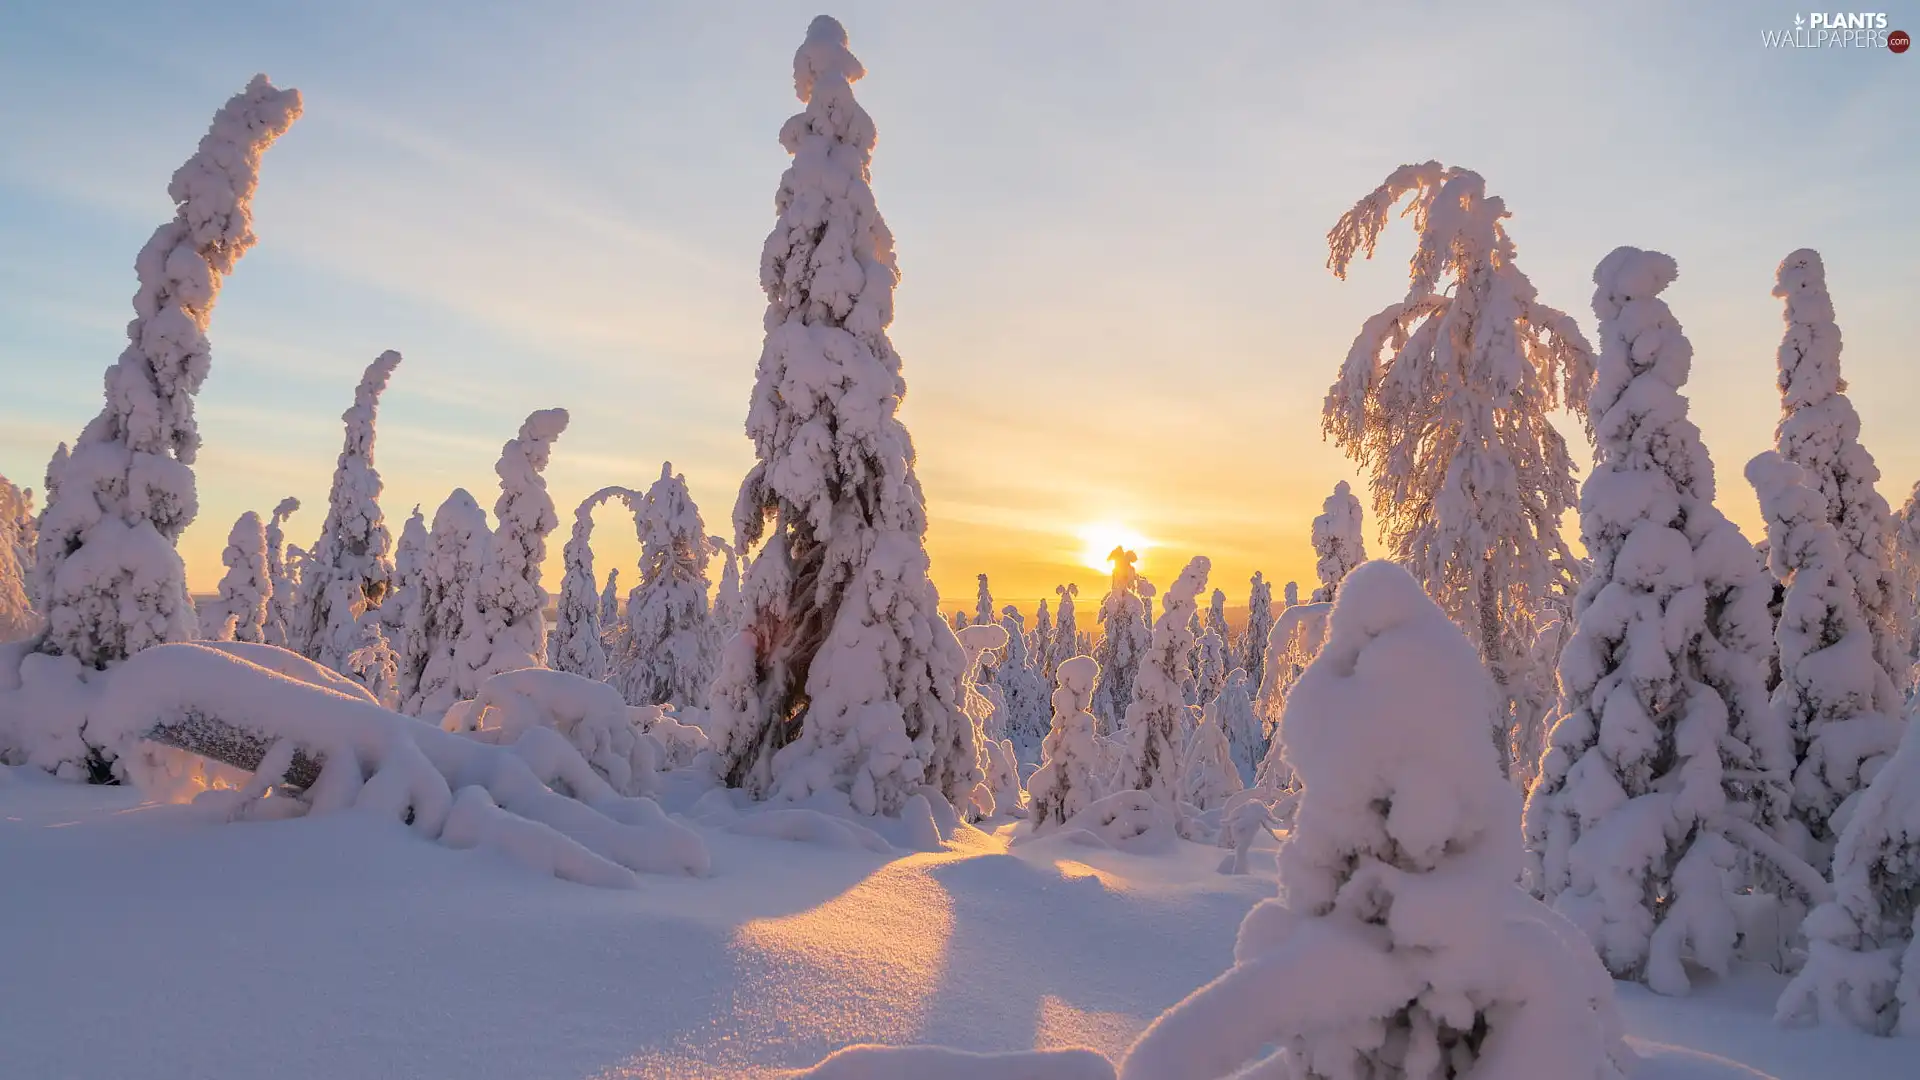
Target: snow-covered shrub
(670,642)
(1399,945)
(1339,543)
(238,610)
(1445,399)
(1071,774)
(108,575)
(1252,657)
(577,643)
(17,617)
(1834,698)
(1820,432)
(1159,718)
(283,575)
(1661,681)
(456,551)
(1863,954)
(506,627)
(1125,635)
(843,677)
(349,570)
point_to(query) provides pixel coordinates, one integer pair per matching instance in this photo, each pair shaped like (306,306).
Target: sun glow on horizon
(1100,538)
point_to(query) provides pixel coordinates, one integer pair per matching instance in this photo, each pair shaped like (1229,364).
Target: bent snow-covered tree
(1820,432)
(1397,883)
(507,625)
(1444,398)
(670,637)
(844,676)
(108,575)
(1159,719)
(1339,543)
(350,569)
(577,644)
(1661,683)
(241,598)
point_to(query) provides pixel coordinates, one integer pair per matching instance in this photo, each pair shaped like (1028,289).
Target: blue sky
(1110,217)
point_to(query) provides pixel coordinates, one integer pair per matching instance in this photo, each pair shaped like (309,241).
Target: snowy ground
(140,943)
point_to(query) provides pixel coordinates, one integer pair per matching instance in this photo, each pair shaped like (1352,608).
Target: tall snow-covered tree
(1907,548)
(1661,682)
(845,677)
(1210,672)
(17,617)
(242,595)
(1072,765)
(108,573)
(1023,688)
(1445,399)
(1159,718)
(1217,615)
(1124,638)
(670,638)
(1040,647)
(983,604)
(610,602)
(282,597)
(506,628)
(727,603)
(404,616)
(1820,432)
(350,569)
(1252,656)
(1834,699)
(1399,876)
(1066,630)
(456,555)
(576,643)
(1339,543)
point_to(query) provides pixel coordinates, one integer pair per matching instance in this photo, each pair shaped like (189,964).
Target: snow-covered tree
(610,603)
(1445,399)
(727,604)
(670,642)
(1208,773)
(1066,631)
(1339,544)
(1661,681)
(283,596)
(983,604)
(238,611)
(1217,615)
(1834,699)
(1820,432)
(1233,712)
(1023,688)
(350,569)
(1399,945)
(1291,596)
(1907,550)
(1124,637)
(506,628)
(1071,762)
(576,643)
(1210,672)
(403,616)
(456,554)
(108,574)
(844,677)
(17,617)
(1863,954)
(1159,718)
(1252,656)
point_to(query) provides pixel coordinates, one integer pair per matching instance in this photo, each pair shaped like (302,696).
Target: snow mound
(868,1062)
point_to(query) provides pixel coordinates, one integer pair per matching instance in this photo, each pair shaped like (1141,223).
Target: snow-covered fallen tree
(535,798)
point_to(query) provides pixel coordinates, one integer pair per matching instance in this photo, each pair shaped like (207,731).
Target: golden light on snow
(1099,539)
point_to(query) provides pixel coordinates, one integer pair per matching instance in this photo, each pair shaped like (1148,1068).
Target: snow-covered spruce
(1907,562)
(507,626)
(1040,643)
(238,611)
(1159,719)
(670,641)
(1863,952)
(1208,773)
(1290,597)
(610,609)
(456,552)
(1066,630)
(1399,945)
(1125,635)
(404,618)
(17,616)
(1444,399)
(577,643)
(1664,735)
(350,568)
(283,596)
(727,605)
(1834,699)
(1210,668)
(535,797)
(107,573)
(983,604)
(1339,542)
(843,677)
(1071,773)
(1252,656)
(1234,714)
(1820,432)
(1023,689)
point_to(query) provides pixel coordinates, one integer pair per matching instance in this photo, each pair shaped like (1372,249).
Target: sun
(1100,538)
